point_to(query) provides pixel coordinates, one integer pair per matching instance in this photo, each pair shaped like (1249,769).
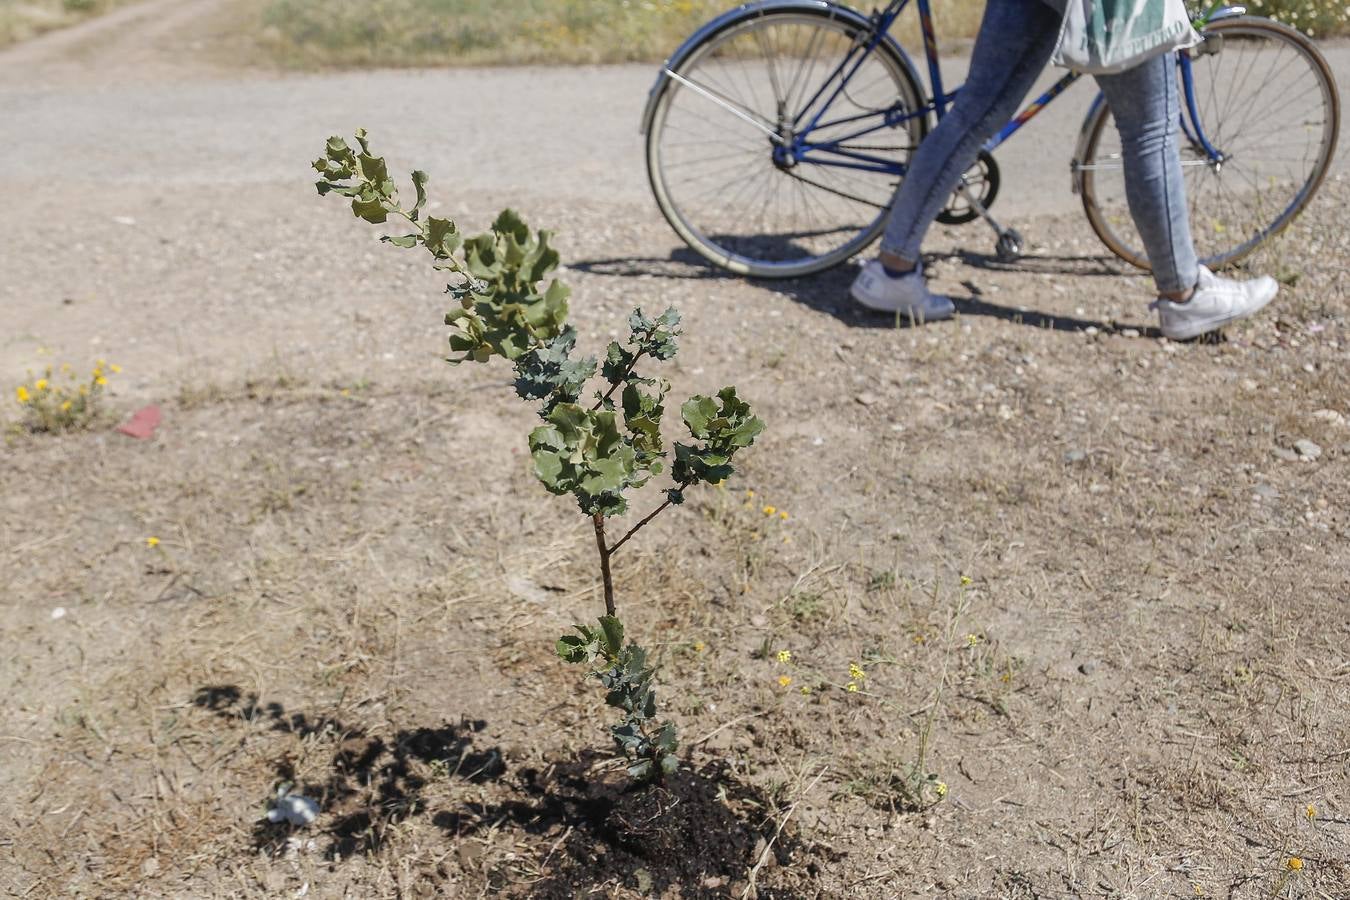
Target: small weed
(62,400)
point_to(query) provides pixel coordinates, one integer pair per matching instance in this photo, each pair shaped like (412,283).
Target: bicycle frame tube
(836,153)
(1032,110)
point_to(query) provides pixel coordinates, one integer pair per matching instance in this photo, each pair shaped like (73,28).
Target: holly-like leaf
(612,629)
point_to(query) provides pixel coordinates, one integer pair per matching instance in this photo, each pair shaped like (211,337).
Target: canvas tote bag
(1102,37)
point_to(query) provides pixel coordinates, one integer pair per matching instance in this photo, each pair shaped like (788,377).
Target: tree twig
(634,530)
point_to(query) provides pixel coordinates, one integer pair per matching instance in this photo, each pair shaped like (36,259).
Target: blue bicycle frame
(837,153)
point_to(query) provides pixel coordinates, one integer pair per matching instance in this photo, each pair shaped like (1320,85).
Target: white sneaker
(1215,303)
(907,295)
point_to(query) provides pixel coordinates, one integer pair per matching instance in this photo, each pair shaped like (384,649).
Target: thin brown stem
(605,551)
(634,530)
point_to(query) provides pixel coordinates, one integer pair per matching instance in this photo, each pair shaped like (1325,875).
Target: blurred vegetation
(356,33)
(1319,18)
(23,19)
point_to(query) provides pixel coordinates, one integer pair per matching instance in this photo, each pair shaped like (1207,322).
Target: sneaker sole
(868,303)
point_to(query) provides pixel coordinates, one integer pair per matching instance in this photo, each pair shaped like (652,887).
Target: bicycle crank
(976,193)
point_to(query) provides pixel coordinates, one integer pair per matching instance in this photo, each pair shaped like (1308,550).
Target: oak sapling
(597,448)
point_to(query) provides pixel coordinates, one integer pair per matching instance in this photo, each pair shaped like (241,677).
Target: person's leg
(1014,44)
(1145,102)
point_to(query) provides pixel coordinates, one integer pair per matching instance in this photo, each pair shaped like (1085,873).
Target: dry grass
(1141,690)
(23,19)
(322,33)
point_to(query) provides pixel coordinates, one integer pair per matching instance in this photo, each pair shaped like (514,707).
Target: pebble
(1285,454)
(1306,449)
(867,399)
(1088,666)
(1130,333)
(1091,331)
(1330,415)
(59,612)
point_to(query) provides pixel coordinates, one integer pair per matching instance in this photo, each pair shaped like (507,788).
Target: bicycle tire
(1227,225)
(725,235)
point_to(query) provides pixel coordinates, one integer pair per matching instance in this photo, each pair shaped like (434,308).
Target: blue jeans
(1015,42)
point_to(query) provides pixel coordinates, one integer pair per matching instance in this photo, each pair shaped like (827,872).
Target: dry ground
(1141,692)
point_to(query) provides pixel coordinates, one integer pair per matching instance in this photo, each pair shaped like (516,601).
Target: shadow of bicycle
(827,292)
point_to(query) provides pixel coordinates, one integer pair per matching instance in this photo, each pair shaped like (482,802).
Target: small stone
(867,399)
(1330,415)
(1091,331)
(1248,385)
(1306,449)
(1284,453)
(59,613)
(1130,333)
(1265,492)
(1088,666)
(759,621)
(1075,456)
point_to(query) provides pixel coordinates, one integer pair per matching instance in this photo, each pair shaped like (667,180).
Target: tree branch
(634,530)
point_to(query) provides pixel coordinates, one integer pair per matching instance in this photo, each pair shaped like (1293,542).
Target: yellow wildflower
(65,407)
(853,687)
(769,510)
(967,581)
(40,384)
(698,647)
(1311,811)
(856,672)
(750,494)
(98,372)
(100,380)
(115,369)
(152,541)
(784,680)
(806,690)
(785,656)
(1295,863)
(783,516)
(941,788)
(973,639)
(22,394)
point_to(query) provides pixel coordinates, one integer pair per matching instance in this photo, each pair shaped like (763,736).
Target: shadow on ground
(827,292)
(702,831)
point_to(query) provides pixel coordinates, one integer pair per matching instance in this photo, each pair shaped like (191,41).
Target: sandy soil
(1141,692)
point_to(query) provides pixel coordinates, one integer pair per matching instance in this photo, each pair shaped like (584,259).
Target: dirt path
(1142,695)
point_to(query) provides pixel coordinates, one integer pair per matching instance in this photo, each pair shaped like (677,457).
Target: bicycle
(767,170)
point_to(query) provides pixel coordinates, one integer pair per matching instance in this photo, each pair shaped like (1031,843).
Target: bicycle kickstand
(1009,245)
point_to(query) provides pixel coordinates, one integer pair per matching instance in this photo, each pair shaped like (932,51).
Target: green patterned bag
(1102,37)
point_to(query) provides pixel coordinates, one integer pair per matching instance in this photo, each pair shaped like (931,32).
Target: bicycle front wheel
(1267,106)
(721,154)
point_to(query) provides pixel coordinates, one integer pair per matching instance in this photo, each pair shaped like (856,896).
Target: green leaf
(697,413)
(613,634)
(419,180)
(372,210)
(406,241)
(572,648)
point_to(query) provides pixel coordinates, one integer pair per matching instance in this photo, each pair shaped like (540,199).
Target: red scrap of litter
(142,425)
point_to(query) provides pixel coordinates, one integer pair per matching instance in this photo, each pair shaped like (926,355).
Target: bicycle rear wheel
(1266,101)
(733,100)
